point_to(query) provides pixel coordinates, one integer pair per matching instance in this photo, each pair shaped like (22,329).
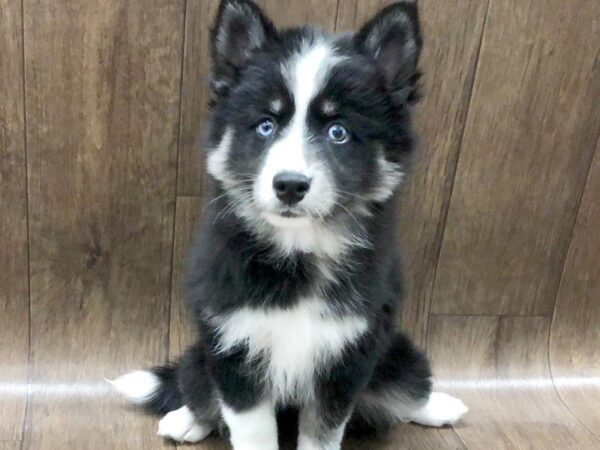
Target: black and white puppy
(294,281)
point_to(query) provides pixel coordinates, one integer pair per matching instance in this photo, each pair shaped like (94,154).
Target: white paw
(181,426)
(138,386)
(441,409)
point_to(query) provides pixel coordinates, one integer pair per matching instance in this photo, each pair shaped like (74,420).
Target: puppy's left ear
(393,39)
(239,29)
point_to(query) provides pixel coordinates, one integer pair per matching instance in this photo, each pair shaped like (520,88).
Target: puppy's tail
(156,390)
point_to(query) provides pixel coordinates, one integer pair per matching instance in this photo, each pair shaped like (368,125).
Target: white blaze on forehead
(305,75)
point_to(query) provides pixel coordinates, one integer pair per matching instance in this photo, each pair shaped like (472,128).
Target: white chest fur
(293,343)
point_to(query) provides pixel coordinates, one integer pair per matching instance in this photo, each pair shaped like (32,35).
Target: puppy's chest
(291,345)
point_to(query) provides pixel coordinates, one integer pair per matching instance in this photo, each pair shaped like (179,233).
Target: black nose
(291,187)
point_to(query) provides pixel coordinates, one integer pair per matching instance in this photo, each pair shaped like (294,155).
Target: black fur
(168,396)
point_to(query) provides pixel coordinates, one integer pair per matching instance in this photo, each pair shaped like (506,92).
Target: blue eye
(265,128)
(338,134)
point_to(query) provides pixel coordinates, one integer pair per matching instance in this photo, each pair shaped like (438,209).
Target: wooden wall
(101,179)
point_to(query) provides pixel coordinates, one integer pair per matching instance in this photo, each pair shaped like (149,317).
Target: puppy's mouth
(288,217)
(290,214)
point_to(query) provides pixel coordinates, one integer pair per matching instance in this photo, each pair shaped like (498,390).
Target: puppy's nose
(291,187)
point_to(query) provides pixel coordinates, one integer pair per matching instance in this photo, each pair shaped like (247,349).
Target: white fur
(438,410)
(310,236)
(296,342)
(300,223)
(181,426)
(328,107)
(305,74)
(334,442)
(138,386)
(276,105)
(313,434)
(252,430)
(216,163)
(441,409)
(391,176)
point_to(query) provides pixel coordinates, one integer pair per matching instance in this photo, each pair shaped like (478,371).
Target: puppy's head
(308,127)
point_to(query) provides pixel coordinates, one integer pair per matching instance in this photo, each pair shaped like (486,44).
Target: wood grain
(194,95)
(289,13)
(530,135)
(448,64)
(103,83)
(181,330)
(10,445)
(499,367)
(14,290)
(352,14)
(403,436)
(411,437)
(575,337)
(452,31)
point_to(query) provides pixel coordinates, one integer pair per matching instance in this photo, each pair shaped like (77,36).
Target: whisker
(349,213)
(360,197)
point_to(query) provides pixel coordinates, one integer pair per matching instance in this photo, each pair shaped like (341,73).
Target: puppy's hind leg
(182,393)
(181,426)
(400,390)
(199,415)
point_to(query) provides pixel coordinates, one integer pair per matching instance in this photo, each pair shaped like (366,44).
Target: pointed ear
(239,29)
(393,39)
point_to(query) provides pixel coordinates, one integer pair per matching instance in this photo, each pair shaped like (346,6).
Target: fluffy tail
(155,390)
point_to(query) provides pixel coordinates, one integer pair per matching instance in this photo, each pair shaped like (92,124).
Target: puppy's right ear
(239,29)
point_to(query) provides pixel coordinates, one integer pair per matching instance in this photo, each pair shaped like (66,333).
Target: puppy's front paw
(181,426)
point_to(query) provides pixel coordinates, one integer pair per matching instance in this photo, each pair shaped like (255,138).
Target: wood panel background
(101,183)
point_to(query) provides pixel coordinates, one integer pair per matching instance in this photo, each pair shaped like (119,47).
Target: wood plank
(351,14)
(575,337)
(529,139)
(499,367)
(14,289)
(103,85)
(182,332)
(403,436)
(10,445)
(449,59)
(195,93)
(290,13)
(213,442)
(410,437)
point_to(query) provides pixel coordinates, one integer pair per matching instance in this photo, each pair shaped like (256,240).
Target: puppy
(295,280)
